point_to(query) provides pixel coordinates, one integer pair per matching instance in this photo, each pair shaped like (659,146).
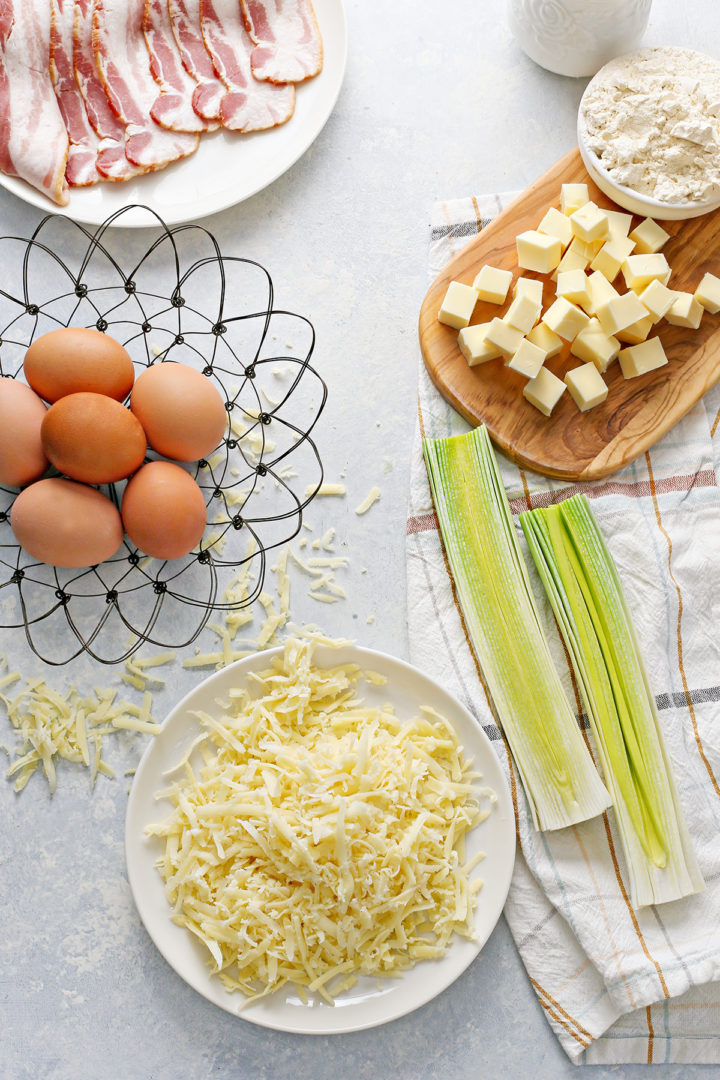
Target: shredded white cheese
(318,838)
(370,499)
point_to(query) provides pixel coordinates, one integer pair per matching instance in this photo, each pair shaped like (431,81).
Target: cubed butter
(639,359)
(474,345)
(537,251)
(557,224)
(565,318)
(571,260)
(600,290)
(590,223)
(612,255)
(640,270)
(637,331)
(620,311)
(527,360)
(572,284)
(545,339)
(588,249)
(649,237)
(523,313)
(587,386)
(458,305)
(618,222)
(572,197)
(708,293)
(492,284)
(685,311)
(528,286)
(504,337)
(594,346)
(544,391)
(658,299)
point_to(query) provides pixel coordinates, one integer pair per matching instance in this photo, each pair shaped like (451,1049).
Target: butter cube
(620,311)
(637,331)
(571,260)
(545,339)
(640,270)
(590,223)
(639,359)
(708,293)
(492,284)
(595,346)
(474,345)
(527,286)
(587,386)
(600,290)
(649,237)
(504,337)
(527,360)
(458,305)
(618,222)
(523,313)
(658,299)
(572,197)
(612,255)
(544,391)
(587,248)
(538,252)
(556,224)
(565,318)
(685,311)
(572,284)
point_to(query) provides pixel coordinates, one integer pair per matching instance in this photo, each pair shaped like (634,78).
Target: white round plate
(371,1001)
(227,167)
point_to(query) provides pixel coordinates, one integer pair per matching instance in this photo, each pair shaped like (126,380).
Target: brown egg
(163,510)
(183,414)
(92,438)
(72,359)
(62,523)
(22,458)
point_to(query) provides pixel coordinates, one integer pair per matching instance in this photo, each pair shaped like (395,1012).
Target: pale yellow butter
(544,391)
(590,223)
(708,293)
(538,252)
(637,331)
(565,318)
(573,285)
(649,237)
(523,313)
(527,360)
(557,224)
(545,339)
(620,311)
(571,260)
(572,197)
(639,359)
(658,299)
(458,305)
(492,284)
(640,270)
(474,345)
(526,286)
(600,290)
(587,386)
(618,222)
(505,337)
(685,311)
(612,255)
(594,346)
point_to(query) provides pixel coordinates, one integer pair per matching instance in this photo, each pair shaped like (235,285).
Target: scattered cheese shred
(325,489)
(318,838)
(370,499)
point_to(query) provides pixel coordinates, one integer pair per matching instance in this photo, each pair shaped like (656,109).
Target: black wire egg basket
(154,300)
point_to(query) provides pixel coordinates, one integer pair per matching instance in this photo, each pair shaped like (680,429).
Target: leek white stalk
(585,593)
(560,780)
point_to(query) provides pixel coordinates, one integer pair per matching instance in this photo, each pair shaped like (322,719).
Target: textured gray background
(438,102)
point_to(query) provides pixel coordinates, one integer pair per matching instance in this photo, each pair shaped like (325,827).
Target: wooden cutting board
(637,412)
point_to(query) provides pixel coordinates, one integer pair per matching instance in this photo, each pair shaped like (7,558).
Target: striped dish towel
(616,985)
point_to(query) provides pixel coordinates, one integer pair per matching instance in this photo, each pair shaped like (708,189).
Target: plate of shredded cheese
(320,839)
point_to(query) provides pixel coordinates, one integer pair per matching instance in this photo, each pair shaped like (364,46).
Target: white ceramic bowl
(624,196)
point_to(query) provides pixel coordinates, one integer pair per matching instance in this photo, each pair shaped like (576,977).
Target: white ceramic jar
(576,37)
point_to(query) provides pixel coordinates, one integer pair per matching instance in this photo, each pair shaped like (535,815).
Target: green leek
(560,780)
(584,590)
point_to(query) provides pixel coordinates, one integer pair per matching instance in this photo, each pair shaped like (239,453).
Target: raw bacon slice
(249,105)
(288,46)
(173,107)
(123,64)
(112,162)
(34,139)
(81,168)
(209,92)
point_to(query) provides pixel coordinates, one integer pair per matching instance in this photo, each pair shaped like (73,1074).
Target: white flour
(653,119)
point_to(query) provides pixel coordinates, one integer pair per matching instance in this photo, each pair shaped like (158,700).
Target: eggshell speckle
(62,523)
(72,359)
(22,458)
(182,413)
(163,511)
(91,437)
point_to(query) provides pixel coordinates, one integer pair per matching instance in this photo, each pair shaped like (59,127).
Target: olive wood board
(570,444)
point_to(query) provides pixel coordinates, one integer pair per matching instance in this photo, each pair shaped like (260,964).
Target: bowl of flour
(649,132)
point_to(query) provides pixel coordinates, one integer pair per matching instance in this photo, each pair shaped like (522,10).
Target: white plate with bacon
(186,107)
